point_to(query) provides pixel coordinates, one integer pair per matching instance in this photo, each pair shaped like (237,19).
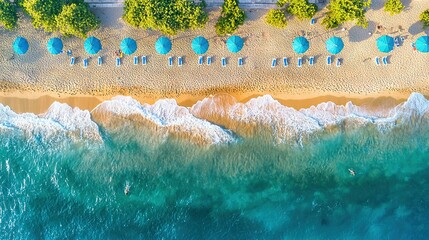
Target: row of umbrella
(200,45)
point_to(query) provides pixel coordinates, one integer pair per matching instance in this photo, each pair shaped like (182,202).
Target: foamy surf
(220,169)
(213,120)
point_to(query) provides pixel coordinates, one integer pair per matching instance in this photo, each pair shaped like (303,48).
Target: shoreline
(39,102)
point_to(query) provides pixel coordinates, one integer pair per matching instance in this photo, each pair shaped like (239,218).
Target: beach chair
(223,62)
(240,61)
(100,60)
(397,43)
(285,62)
(200,60)
(85,62)
(170,61)
(300,62)
(71,61)
(136,60)
(384,59)
(328,60)
(377,61)
(209,60)
(273,62)
(311,61)
(144,60)
(179,61)
(313,21)
(339,60)
(118,61)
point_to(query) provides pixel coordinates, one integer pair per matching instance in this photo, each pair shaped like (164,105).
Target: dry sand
(33,81)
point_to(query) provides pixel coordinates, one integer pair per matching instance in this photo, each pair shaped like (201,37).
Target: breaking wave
(219,169)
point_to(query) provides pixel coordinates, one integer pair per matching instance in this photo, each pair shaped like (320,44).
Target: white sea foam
(211,120)
(59,121)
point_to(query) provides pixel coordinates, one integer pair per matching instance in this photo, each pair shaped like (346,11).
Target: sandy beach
(31,82)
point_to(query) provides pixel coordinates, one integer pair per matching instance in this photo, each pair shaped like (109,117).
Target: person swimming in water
(352,172)
(127,188)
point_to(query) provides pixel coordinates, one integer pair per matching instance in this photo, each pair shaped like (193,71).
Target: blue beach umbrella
(200,45)
(422,44)
(234,44)
(334,45)
(20,45)
(300,45)
(92,45)
(385,43)
(128,46)
(163,45)
(54,46)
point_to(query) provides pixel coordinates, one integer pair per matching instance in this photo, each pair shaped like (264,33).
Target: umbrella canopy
(200,45)
(128,46)
(92,45)
(385,43)
(163,45)
(234,44)
(20,45)
(300,45)
(334,45)
(422,44)
(54,46)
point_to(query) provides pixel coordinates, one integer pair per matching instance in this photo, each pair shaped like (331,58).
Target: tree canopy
(341,11)
(424,18)
(231,18)
(393,6)
(301,8)
(43,12)
(276,18)
(166,16)
(8,16)
(76,19)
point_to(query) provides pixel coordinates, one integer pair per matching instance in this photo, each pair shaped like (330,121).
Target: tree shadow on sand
(417,28)
(358,34)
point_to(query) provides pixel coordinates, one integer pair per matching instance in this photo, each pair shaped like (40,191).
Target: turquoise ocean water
(246,171)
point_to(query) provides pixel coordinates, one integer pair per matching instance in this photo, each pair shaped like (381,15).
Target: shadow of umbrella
(358,34)
(416,28)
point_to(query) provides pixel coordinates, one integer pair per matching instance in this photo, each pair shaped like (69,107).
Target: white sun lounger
(209,60)
(100,60)
(170,61)
(223,62)
(311,61)
(339,60)
(179,61)
(300,62)
(285,62)
(273,62)
(240,61)
(377,61)
(328,60)
(384,59)
(144,60)
(85,62)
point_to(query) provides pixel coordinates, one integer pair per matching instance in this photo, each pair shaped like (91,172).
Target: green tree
(393,6)
(77,19)
(231,18)
(424,18)
(341,11)
(43,12)
(8,17)
(167,16)
(276,18)
(302,9)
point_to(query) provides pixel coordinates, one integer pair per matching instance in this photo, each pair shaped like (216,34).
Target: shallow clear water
(57,188)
